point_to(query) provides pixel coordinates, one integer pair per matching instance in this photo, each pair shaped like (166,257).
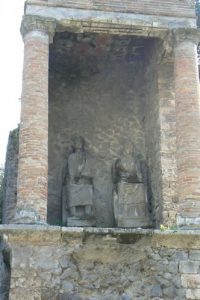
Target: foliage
(167,227)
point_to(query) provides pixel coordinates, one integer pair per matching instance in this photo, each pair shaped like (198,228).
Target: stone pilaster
(187,95)
(33,140)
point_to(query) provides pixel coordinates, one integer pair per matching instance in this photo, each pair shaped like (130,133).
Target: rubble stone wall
(121,265)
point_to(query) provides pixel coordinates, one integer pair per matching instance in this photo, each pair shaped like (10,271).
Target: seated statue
(78,208)
(130,197)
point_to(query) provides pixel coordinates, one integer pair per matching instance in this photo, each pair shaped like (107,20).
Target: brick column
(33,141)
(187,95)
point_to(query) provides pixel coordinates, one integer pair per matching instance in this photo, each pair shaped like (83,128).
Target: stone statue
(130,197)
(77,195)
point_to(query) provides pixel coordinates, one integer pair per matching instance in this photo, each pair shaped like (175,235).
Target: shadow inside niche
(5,271)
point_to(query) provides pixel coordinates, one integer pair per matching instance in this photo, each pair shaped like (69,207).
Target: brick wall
(160,130)
(33,137)
(167,120)
(188,128)
(153,7)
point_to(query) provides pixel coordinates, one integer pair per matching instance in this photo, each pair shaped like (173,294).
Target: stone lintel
(175,8)
(82,16)
(52,235)
(32,23)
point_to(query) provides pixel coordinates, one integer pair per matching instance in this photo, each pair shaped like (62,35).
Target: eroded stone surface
(98,264)
(4,273)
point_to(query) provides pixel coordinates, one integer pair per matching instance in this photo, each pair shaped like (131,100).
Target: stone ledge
(45,234)
(176,9)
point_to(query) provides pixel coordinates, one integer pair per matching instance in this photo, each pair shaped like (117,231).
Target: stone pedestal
(33,141)
(79,202)
(132,208)
(187,95)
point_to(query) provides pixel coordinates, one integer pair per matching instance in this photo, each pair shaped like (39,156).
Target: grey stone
(194,254)
(130,199)
(172,267)
(156,291)
(189,267)
(67,286)
(26,216)
(131,19)
(45,263)
(64,261)
(125,297)
(69,296)
(180,255)
(166,252)
(170,292)
(69,273)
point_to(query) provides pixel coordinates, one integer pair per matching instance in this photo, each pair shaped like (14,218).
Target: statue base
(27,216)
(76,222)
(132,207)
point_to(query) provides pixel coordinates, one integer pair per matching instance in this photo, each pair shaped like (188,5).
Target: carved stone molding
(182,35)
(35,23)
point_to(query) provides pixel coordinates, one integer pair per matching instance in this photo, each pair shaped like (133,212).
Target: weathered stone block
(132,205)
(190,281)
(194,254)
(189,267)
(156,291)
(193,294)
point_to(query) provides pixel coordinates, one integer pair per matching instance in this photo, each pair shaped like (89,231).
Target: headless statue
(78,209)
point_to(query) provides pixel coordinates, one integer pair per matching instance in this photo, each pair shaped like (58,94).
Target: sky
(11,63)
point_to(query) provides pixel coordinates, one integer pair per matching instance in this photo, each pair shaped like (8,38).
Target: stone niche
(98,92)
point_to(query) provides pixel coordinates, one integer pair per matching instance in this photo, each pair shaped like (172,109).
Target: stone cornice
(182,35)
(46,235)
(36,23)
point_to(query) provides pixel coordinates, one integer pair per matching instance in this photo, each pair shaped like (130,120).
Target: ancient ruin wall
(101,264)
